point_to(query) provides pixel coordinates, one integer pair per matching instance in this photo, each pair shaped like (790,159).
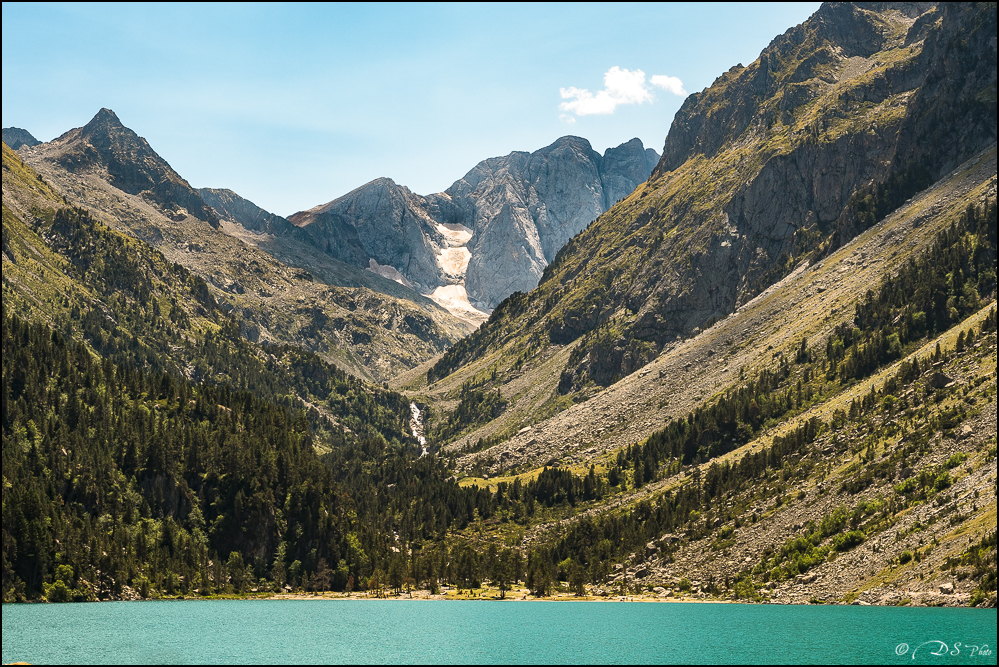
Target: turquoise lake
(380,631)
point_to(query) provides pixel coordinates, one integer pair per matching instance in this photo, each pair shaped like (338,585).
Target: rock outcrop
(493,231)
(15,137)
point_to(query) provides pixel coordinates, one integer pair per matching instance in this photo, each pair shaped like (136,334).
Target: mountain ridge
(16,137)
(353,327)
(508,216)
(798,173)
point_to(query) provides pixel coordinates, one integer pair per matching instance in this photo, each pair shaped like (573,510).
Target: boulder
(940,380)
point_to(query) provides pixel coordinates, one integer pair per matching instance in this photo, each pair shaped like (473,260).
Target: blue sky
(294,105)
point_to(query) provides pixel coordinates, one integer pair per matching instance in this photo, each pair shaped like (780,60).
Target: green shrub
(943,481)
(847,541)
(57,592)
(955,460)
(745,589)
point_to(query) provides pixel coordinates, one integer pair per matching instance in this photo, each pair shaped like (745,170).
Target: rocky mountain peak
(15,137)
(792,71)
(494,230)
(105,120)
(107,147)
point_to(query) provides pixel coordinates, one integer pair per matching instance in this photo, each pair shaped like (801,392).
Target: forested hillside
(767,374)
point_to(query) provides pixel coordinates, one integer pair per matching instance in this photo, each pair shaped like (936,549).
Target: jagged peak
(569,140)
(104,120)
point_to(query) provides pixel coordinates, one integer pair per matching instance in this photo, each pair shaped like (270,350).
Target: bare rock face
(525,207)
(15,137)
(493,231)
(393,226)
(623,168)
(115,153)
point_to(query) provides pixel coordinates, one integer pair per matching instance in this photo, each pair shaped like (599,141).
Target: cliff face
(525,207)
(493,231)
(838,122)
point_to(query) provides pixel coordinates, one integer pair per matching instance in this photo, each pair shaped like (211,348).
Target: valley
(759,367)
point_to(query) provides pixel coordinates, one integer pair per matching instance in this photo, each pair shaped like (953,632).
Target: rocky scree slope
(806,305)
(776,163)
(364,332)
(493,231)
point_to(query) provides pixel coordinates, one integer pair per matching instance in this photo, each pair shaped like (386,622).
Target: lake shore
(512,596)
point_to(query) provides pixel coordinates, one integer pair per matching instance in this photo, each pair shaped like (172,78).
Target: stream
(416,424)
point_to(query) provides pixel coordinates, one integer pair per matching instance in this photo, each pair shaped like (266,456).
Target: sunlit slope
(807,304)
(776,164)
(112,172)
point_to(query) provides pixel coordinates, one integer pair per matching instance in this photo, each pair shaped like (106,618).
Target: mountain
(524,207)
(488,235)
(329,308)
(766,375)
(775,164)
(106,148)
(732,311)
(15,137)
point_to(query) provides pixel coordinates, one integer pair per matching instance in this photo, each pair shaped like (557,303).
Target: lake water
(387,631)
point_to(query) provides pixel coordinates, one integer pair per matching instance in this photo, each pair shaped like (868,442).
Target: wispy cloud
(670,84)
(621,86)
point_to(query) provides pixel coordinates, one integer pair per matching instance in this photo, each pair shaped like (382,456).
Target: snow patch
(454,261)
(457,235)
(390,272)
(454,299)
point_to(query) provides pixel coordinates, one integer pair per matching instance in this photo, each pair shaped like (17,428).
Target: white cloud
(669,83)
(621,86)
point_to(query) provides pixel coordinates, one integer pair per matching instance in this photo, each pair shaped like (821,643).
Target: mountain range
(492,232)
(761,366)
